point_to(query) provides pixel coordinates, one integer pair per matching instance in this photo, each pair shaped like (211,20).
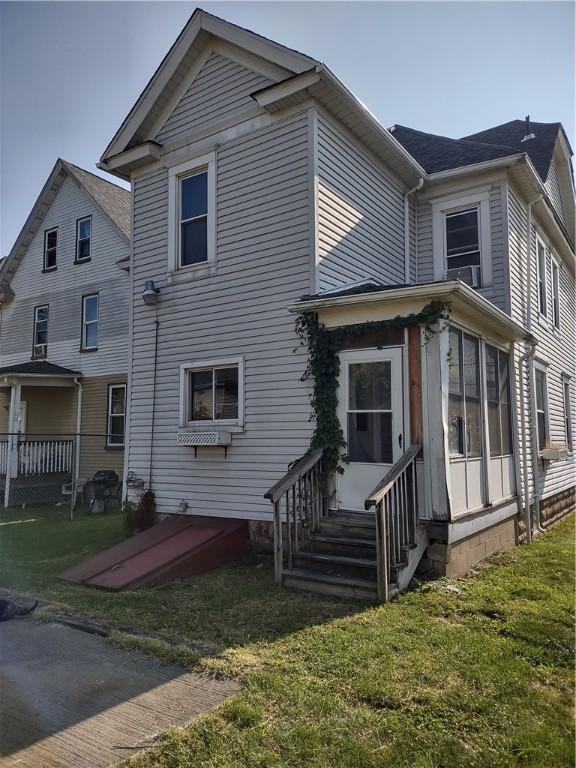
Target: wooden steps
(326,584)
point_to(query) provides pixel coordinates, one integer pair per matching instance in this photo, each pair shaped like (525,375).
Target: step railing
(395,499)
(300,500)
(3,457)
(45,457)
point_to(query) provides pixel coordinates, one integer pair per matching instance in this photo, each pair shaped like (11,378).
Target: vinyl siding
(553,188)
(360,214)
(63,289)
(221,90)
(263,257)
(497,292)
(557,349)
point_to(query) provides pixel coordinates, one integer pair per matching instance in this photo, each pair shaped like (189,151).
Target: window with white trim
(90,318)
(212,394)
(50,249)
(40,340)
(555,293)
(541,264)
(567,411)
(116,423)
(498,401)
(192,214)
(541,387)
(461,239)
(83,239)
(464,400)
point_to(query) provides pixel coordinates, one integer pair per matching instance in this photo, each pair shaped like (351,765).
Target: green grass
(481,677)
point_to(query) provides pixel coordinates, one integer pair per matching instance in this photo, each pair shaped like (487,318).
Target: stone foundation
(557,506)
(455,560)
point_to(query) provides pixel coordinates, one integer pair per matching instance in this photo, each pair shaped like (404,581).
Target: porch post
(12,457)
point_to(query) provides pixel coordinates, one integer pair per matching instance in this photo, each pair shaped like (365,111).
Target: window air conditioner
(468,275)
(40,350)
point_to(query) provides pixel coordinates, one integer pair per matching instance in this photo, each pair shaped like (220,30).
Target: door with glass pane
(372,418)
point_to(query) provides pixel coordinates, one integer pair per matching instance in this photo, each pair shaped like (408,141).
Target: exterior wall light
(150,293)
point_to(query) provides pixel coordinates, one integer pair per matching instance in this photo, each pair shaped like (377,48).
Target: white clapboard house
(440,272)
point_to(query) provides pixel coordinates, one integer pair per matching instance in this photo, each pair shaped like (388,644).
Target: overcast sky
(69,72)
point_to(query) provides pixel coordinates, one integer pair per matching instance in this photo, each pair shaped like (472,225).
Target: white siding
(497,292)
(360,215)
(553,188)
(263,262)
(557,349)
(221,90)
(63,289)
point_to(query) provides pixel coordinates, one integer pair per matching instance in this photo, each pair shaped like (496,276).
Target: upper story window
(498,397)
(212,393)
(541,265)
(461,239)
(83,239)
(541,386)
(192,214)
(40,338)
(116,424)
(567,411)
(555,293)
(50,249)
(464,402)
(90,317)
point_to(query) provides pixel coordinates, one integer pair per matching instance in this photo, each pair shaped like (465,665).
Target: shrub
(141,516)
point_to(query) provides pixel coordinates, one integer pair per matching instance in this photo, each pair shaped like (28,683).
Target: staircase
(367,555)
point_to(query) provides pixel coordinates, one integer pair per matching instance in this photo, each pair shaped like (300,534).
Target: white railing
(44,457)
(3,457)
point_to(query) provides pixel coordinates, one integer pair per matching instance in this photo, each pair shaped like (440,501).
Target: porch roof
(38,368)
(463,299)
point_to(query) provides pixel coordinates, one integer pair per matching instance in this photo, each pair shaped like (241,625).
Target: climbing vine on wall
(323,368)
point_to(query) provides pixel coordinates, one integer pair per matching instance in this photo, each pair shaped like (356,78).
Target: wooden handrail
(303,465)
(391,476)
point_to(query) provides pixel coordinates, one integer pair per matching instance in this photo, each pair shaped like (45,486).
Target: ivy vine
(323,368)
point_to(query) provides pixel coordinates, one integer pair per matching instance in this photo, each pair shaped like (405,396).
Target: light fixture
(150,293)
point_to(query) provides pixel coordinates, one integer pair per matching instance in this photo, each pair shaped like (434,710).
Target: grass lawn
(475,673)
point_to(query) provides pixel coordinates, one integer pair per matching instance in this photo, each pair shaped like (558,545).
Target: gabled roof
(37,368)
(440,153)
(112,199)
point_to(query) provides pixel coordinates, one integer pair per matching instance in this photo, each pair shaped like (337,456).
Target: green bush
(141,516)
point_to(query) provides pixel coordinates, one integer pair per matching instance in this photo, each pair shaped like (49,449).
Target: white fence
(44,457)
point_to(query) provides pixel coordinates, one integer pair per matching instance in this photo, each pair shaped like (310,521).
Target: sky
(70,72)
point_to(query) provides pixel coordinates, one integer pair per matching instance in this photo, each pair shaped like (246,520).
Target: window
(541,248)
(90,315)
(541,407)
(192,212)
(555,293)
(212,393)
(461,238)
(40,341)
(567,412)
(464,404)
(498,397)
(50,249)
(116,416)
(83,239)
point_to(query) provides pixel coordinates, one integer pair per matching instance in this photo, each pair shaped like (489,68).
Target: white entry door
(371,413)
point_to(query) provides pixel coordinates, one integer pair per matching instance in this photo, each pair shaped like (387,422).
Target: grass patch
(481,677)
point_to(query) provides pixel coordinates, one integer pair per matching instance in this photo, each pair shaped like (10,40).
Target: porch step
(359,516)
(337,565)
(325,584)
(342,545)
(346,529)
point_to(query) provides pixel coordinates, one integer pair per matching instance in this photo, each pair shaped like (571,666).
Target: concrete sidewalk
(70,699)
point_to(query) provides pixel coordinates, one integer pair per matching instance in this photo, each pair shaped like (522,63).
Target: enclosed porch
(428,451)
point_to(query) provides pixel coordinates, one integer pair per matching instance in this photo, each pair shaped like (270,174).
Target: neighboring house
(64,338)
(262,189)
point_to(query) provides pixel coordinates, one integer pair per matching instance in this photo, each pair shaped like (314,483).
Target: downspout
(78,384)
(529,357)
(527,516)
(417,188)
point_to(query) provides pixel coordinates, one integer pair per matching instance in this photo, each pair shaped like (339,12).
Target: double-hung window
(555,293)
(83,239)
(541,264)
(464,398)
(567,411)
(462,239)
(498,397)
(116,424)
(40,340)
(212,393)
(192,214)
(90,318)
(50,249)
(541,407)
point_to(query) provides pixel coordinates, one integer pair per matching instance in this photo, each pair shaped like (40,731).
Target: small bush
(141,516)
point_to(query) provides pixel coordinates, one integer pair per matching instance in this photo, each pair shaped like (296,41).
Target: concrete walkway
(70,699)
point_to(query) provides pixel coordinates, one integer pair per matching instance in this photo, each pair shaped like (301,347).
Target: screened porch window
(498,396)
(464,403)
